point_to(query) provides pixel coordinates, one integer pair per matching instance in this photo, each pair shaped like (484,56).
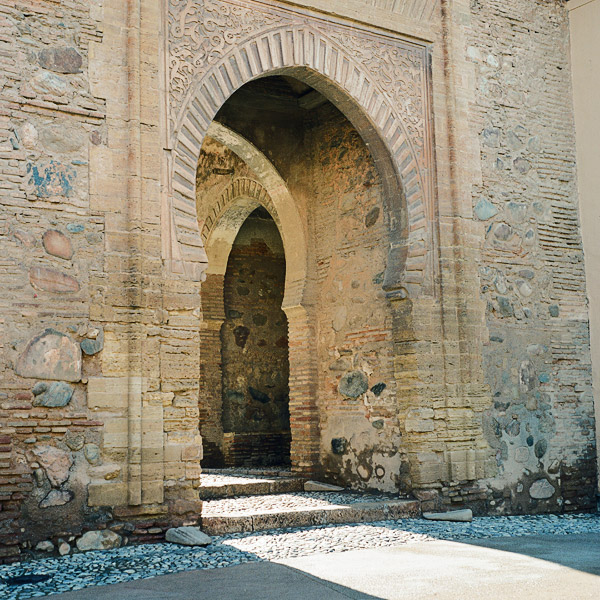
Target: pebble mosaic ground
(137,562)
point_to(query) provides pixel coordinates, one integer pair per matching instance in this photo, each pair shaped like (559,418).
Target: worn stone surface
(187,536)
(56,498)
(61,60)
(464,515)
(50,355)
(318,486)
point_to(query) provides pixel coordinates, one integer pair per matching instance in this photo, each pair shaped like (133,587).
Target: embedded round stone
(92,454)
(57,394)
(339,445)
(57,244)
(372,217)
(378,388)
(51,280)
(258,395)
(353,384)
(541,447)
(485,210)
(50,355)
(541,489)
(93,346)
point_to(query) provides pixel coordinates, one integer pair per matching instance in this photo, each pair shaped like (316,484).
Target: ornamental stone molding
(380,81)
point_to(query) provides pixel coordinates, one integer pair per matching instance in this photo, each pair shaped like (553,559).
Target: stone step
(226,484)
(301,509)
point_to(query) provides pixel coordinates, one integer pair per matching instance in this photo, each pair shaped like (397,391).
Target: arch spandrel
(253,44)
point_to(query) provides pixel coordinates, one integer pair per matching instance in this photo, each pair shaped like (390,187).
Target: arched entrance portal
(278,147)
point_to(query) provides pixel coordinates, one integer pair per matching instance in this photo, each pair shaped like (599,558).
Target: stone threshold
(216,523)
(226,485)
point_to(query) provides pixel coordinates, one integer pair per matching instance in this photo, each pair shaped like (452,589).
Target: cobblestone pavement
(136,562)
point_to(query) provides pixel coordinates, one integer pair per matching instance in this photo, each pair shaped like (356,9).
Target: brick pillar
(211,374)
(304,413)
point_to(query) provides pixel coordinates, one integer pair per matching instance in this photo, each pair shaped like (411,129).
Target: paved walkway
(533,568)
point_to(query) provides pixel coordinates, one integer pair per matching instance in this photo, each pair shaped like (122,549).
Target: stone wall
(436,251)
(537,361)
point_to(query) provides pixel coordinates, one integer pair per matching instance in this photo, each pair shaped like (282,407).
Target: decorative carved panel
(216,46)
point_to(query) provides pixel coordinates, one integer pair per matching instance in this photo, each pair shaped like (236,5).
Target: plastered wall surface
(435,285)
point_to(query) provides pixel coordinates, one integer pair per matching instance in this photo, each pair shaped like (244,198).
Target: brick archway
(310,56)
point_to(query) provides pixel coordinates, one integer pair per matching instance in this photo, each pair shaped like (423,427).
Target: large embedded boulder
(61,60)
(50,355)
(541,489)
(353,384)
(51,280)
(57,244)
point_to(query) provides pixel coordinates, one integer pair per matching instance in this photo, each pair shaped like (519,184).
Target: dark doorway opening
(254,348)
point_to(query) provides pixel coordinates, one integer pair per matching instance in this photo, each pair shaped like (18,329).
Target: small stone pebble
(78,571)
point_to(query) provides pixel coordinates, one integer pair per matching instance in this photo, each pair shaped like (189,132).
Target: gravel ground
(136,562)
